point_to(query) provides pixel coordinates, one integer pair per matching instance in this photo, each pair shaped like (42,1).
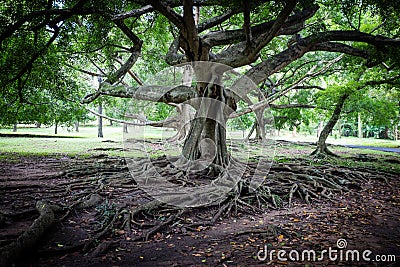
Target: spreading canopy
(107,38)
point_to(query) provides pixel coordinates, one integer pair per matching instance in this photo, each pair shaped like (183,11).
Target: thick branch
(341,48)
(316,42)
(214,21)
(155,93)
(292,25)
(133,13)
(168,12)
(267,102)
(131,73)
(265,38)
(136,50)
(171,122)
(173,57)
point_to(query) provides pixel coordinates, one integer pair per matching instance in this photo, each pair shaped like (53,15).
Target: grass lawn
(86,143)
(78,143)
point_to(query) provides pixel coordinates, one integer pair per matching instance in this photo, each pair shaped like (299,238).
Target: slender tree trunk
(100,122)
(359,124)
(56,127)
(321,144)
(320,127)
(252,130)
(77,126)
(38,125)
(111,122)
(386,133)
(15,127)
(125,128)
(260,125)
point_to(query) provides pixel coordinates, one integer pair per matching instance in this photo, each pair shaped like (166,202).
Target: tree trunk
(111,122)
(260,125)
(386,133)
(252,130)
(100,122)
(77,126)
(207,135)
(320,127)
(185,117)
(206,141)
(321,144)
(125,128)
(15,127)
(56,127)
(38,125)
(359,124)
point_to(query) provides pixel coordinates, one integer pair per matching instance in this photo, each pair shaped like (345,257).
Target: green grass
(85,143)
(67,145)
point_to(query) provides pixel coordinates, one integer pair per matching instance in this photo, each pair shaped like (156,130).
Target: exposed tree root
(30,237)
(323,153)
(106,186)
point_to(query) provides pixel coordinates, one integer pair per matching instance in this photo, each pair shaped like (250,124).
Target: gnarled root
(10,253)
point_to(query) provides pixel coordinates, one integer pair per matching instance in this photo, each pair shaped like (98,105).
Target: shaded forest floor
(98,229)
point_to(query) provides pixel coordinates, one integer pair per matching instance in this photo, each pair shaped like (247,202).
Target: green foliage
(160,112)
(42,81)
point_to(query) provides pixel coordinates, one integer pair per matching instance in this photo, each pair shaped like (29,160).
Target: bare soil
(99,223)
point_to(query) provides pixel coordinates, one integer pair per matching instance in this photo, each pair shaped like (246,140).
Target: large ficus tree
(106,38)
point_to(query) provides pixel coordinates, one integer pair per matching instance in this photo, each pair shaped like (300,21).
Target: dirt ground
(102,233)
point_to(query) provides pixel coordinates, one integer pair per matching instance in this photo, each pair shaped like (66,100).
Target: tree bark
(207,135)
(77,126)
(321,144)
(100,122)
(56,127)
(15,127)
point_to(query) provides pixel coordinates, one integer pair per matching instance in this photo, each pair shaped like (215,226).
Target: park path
(386,149)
